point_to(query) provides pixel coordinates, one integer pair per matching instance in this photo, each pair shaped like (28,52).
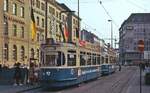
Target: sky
(95,18)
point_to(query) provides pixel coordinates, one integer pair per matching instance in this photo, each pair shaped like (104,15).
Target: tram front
(53,71)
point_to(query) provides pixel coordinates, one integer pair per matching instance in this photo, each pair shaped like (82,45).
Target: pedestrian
(119,67)
(0,67)
(17,74)
(0,70)
(31,74)
(25,74)
(142,66)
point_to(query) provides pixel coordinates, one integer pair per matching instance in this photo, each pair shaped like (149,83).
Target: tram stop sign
(141,45)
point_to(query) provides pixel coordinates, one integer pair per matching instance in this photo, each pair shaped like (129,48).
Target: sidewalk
(134,85)
(15,89)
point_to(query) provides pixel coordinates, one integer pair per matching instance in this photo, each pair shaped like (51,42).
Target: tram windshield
(50,60)
(54,59)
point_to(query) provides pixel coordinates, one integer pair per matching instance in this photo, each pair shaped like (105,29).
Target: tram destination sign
(50,48)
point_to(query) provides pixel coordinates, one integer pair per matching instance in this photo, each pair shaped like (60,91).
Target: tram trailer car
(59,67)
(107,69)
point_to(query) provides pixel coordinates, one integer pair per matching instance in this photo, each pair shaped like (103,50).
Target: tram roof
(87,46)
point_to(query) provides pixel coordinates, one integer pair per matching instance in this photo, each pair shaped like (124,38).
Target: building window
(5,28)
(15,9)
(33,2)
(22,32)
(38,37)
(37,53)
(51,10)
(50,28)
(42,22)
(57,14)
(22,53)
(6,52)
(14,52)
(42,6)
(5,5)
(57,28)
(32,53)
(42,38)
(74,22)
(37,3)
(22,12)
(63,18)
(14,30)
(37,20)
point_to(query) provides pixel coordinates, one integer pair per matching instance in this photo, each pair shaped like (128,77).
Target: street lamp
(111,32)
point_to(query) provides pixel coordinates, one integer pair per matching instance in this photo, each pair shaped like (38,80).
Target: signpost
(141,49)
(141,46)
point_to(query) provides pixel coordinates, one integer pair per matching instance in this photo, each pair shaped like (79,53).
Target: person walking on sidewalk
(0,71)
(31,74)
(17,74)
(119,67)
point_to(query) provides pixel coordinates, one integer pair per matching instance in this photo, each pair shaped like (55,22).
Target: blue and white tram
(67,64)
(107,69)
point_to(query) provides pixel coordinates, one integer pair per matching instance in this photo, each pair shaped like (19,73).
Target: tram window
(82,59)
(89,59)
(103,60)
(71,60)
(98,60)
(60,59)
(50,60)
(93,60)
(106,59)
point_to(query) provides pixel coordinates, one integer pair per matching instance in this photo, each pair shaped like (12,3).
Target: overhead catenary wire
(111,19)
(88,26)
(100,2)
(136,5)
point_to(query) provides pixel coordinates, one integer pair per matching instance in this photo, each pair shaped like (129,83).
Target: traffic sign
(141,45)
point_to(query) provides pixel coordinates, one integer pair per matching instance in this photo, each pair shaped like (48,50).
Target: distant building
(135,28)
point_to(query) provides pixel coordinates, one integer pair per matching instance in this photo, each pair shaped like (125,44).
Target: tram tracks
(109,81)
(107,84)
(120,85)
